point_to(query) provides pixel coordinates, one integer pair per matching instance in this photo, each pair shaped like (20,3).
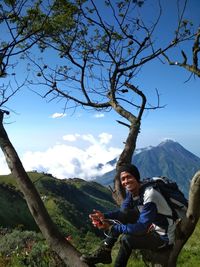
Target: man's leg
(103,253)
(130,242)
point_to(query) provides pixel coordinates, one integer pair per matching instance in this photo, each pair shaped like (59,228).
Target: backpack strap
(155,184)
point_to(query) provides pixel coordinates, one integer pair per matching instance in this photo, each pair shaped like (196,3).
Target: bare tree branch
(194,67)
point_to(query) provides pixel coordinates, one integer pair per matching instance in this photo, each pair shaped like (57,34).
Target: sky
(73,144)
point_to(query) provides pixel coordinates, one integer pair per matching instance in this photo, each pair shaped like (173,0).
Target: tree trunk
(56,241)
(125,157)
(186,227)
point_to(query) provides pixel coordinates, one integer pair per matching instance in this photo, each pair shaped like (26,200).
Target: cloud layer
(68,160)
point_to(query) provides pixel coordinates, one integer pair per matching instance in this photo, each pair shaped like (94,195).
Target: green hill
(13,209)
(68,201)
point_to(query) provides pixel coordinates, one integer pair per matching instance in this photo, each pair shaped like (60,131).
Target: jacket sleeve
(127,204)
(144,221)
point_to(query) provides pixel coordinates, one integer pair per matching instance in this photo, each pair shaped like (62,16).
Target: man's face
(129,182)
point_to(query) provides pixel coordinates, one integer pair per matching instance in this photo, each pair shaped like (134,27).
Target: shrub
(26,248)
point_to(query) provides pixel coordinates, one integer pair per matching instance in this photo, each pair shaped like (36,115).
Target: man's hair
(130,168)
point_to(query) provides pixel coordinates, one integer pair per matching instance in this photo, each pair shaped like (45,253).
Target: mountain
(169,159)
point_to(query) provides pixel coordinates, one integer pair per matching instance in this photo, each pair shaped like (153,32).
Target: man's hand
(98,220)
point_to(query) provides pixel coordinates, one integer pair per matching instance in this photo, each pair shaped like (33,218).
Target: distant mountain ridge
(169,159)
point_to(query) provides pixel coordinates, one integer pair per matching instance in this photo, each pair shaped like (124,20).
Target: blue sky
(73,144)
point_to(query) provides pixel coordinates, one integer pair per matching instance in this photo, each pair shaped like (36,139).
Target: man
(145,221)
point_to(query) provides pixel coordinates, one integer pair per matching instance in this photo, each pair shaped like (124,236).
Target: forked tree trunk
(130,144)
(56,241)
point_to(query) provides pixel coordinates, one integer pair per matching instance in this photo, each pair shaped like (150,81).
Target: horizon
(92,171)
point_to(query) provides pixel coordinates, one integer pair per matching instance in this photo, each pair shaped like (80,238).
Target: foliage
(68,205)
(44,21)
(16,215)
(25,248)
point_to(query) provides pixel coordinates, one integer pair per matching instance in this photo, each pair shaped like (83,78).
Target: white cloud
(3,166)
(71,137)
(99,115)
(58,115)
(105,138)
(67,161)
(90,138)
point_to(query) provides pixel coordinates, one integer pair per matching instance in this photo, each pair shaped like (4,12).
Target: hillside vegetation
(69,202)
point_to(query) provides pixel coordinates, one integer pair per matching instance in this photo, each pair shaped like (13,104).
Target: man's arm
(143,223)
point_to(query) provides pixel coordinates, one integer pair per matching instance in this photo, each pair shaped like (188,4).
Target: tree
(101,59)
(16,43)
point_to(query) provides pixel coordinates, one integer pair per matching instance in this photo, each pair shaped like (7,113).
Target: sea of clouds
(69,160)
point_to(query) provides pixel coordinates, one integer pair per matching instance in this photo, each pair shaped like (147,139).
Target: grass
(190,255)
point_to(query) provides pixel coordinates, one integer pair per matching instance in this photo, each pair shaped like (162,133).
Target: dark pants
(149,240)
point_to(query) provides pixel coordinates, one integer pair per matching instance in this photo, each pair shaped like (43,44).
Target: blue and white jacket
(154,213)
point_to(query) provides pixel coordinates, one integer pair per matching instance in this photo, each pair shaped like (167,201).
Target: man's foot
(101,255)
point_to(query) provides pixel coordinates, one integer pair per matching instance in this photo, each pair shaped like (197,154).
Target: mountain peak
(167,141)
(169,159)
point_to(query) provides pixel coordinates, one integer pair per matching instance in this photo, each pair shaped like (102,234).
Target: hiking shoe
(101,255)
